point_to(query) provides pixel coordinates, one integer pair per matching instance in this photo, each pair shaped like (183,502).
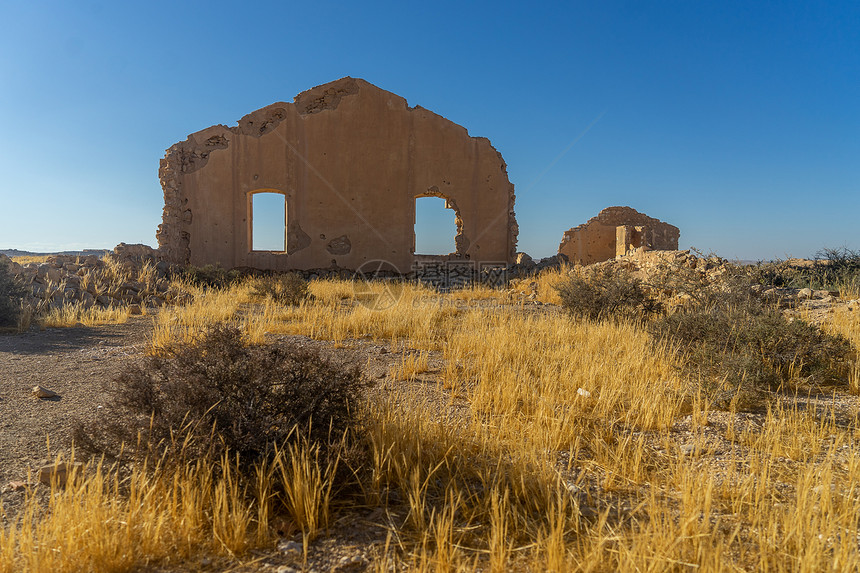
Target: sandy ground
(73,362)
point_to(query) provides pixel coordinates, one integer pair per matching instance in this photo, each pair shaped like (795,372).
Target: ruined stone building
(615,231)
(347,162)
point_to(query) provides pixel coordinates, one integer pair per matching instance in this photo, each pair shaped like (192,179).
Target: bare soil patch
(74,363)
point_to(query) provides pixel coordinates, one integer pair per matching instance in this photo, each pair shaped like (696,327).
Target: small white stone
(286,546)
(583,392)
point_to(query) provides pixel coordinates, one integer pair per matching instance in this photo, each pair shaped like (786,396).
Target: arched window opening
(435,227)
(269,222)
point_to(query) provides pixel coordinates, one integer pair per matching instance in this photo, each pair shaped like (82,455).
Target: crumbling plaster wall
(615,231)
(350,159)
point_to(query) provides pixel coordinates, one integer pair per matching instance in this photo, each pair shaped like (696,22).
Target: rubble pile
(676,275)
(130,275)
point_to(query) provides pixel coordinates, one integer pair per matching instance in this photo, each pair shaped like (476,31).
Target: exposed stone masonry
(616,231)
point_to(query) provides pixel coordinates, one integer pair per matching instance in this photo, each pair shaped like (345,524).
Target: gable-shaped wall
(350,159)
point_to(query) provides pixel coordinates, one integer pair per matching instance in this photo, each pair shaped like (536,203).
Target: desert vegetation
(11,297)
(836,269)
(667,423)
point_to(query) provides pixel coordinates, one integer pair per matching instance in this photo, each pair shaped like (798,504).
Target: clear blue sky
(739,122)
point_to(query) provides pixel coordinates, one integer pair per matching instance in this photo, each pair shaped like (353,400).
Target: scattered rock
(583,392)
(524,259)
(44,393)
(61,470)
(136,252)
(16,486)
(134,309)
(350,563)
(286,546)
(282,526)
(572,487)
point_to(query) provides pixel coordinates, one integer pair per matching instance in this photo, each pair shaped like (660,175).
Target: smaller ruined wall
(616,231)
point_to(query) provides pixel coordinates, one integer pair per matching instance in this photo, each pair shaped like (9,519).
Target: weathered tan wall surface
(615,231)
(350,159)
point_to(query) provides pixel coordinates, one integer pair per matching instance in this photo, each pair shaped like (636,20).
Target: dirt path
(74,363)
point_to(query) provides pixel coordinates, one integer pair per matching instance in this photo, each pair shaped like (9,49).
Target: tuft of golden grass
(849,290)
(183,323)
(307,486)
(410,365)
(74,313)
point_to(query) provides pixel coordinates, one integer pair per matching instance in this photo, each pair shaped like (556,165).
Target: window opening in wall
(435,227)
(268,222)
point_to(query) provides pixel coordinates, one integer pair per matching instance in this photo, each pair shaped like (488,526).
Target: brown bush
(289,288)
(221,394)
(738,343)
(602,291)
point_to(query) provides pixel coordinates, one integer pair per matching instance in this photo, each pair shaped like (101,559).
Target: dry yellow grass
(411,364)
(164,513)
(25,259)
(846,322)
(542,285)
(74,313)
(849,290)
(565,461)
(183,323)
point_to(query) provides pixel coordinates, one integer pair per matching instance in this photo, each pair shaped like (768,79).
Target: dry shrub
(209,276)
(837,269)
(832,269)
(219,394)
(11,295)
(602,291)
(289,288)
(738,342)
